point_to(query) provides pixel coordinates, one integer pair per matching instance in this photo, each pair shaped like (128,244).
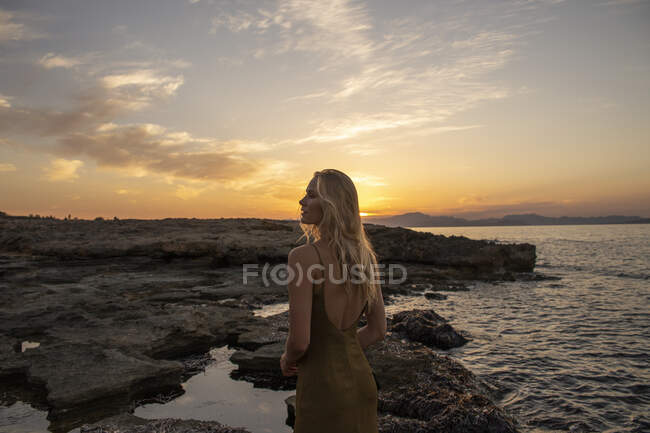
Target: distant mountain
(418,219)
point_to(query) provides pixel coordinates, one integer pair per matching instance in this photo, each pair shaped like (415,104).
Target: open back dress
(336,391)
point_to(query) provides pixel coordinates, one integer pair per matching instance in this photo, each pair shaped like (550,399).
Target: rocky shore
(96,316)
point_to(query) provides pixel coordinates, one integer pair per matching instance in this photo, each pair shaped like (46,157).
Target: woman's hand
(288,369)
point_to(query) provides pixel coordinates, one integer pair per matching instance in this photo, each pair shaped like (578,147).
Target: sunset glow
(225,109)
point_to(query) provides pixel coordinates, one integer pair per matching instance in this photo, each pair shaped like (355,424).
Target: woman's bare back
(342,309)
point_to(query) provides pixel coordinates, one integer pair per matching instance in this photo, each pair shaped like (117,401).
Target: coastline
(135,297)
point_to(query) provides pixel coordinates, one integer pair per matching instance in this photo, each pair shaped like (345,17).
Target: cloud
(337,27)
(140,146)
(63,170)
(51,60)
(88,131)
(404,74)
(10,30)
(136,89)
(361,149)
(6,166)
(4,101)
(114,95)
(366,179)
(119,29)
(336,130)
(92,107)
(471,199)
(236,23)
(622,2)
(185,192)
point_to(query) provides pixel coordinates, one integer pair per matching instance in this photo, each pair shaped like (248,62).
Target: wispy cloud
(622,2)
(336,27)
(7,166)
(4,101)
(63,169)
(185,192)
(51,60)
(403,74)
(12,30)
(136,89)
(367,179)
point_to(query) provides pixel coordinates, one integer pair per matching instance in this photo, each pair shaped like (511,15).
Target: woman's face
(311,210)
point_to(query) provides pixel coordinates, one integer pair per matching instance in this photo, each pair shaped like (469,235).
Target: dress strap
(320,260)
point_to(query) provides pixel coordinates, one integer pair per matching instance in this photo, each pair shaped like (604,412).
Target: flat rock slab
(127,423)
(82,375)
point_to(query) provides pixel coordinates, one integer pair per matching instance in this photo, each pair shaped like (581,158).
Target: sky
(207,109)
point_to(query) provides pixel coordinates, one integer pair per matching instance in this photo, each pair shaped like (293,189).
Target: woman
(336,390)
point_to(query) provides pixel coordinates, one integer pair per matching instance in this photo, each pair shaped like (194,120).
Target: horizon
(204,109)
(364,219)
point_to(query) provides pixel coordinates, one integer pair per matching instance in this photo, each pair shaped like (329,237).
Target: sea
(570,354)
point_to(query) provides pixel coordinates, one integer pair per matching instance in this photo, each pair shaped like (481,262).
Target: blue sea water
(569,355)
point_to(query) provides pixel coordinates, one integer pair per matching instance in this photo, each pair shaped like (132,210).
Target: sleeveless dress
(336,391)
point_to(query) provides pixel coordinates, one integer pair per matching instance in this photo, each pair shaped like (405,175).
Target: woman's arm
(375,330)
(300,299)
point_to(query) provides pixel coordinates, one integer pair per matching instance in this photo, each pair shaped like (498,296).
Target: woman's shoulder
(304,254)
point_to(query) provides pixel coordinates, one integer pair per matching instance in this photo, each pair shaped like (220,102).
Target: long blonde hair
(347,236)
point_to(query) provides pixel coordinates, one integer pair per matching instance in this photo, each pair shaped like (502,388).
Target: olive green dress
(336,391)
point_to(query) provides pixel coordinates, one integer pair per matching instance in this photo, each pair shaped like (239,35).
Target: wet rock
(104,346)
(10,359)
(76,376)
(127,423)
(435,296)
(428,328)
(422,391)
(256,332)
(265,358)
(291,409)
(262,367)
(432,392)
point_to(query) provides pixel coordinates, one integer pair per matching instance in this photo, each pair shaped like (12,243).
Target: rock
(262,367)
(257,332)
(265,358)
(238,241)
(427,327)
(428,393)
(404,245)
(103,346)
(10,359)
(117,304)
(434,295)
(127,423)
(424,391)
(85,378)
(291,409)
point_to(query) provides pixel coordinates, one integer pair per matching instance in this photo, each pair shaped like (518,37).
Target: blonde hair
(347,236)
